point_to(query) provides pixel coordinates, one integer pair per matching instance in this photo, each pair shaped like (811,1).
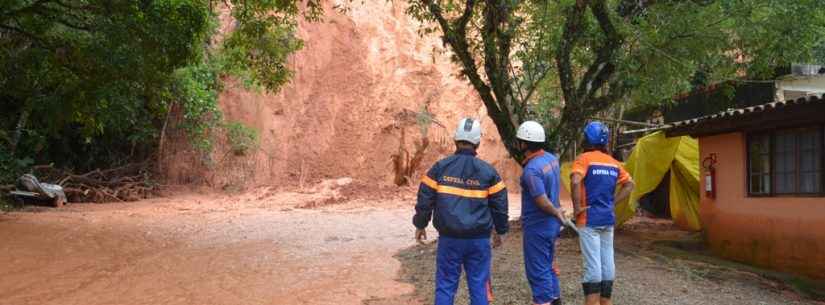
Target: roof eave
(769,115)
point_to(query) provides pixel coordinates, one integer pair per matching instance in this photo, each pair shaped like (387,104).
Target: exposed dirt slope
(359,82)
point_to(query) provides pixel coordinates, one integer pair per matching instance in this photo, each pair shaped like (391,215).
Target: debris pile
(129,182)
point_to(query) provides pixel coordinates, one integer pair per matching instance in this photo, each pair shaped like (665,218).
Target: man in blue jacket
(466,199)
(541,213)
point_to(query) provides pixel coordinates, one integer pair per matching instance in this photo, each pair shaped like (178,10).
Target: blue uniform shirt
(540,177)
(601,174)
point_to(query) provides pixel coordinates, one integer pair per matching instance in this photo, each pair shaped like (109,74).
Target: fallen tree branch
(129,182)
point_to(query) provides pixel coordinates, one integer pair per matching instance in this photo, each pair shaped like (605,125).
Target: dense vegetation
(597,56)
(89,84)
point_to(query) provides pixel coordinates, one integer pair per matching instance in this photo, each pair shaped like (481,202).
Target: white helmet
(531,131)
(468,130)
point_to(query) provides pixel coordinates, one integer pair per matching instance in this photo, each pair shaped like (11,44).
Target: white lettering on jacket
(604,172)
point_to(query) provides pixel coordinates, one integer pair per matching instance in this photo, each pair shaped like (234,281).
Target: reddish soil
(336,241)
(254,248)
(359,81)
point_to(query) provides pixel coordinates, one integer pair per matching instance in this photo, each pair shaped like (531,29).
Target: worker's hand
(421,236)
(496,240)
(560,213)
(580,211)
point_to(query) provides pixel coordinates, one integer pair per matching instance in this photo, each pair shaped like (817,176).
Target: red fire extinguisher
(709,163)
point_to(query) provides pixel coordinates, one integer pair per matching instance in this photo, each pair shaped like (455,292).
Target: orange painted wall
(783,233)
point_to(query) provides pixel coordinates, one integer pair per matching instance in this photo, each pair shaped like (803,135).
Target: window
(786,162)
(759,160)
(810,162)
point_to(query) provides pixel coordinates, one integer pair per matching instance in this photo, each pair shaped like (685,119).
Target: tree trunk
(18,130)
(162,139)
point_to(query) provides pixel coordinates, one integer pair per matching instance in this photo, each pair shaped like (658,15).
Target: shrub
(241,138)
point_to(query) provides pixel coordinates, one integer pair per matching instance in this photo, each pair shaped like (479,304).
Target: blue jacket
(467,196)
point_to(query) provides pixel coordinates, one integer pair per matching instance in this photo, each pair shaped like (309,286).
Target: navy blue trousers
(474,255)
(539,253)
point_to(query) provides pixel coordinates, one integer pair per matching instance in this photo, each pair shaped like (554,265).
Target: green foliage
(196,89)
(819,54)
(525,57)
(424,119)
(90,83)
(257,50)
(681,45)
(5,204)
(89,75)
(242,139)
(98,64)
(11,168)
(263,37)
(671,47)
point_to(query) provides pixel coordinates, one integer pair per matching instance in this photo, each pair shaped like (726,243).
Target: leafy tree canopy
(89,83)
(565,61)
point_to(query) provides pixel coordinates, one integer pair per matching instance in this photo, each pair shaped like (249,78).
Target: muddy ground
(258,248)
(645,276)
(312,247)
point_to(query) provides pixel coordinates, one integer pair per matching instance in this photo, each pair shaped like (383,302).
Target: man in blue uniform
(466,199)
(541,213)
(593,181)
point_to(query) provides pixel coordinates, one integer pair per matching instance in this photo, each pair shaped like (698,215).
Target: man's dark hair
(533,146)
(590,147)
(465,144)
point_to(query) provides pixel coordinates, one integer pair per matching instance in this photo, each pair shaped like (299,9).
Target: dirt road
(264,248)
(202,249)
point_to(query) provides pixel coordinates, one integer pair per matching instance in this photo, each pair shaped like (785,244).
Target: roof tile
(746,110)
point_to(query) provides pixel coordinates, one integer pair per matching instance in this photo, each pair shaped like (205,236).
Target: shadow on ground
(651,269)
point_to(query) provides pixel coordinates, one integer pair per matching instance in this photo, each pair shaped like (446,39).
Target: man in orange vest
(594,179)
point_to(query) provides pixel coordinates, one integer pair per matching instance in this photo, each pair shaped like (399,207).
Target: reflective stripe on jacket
(466,195)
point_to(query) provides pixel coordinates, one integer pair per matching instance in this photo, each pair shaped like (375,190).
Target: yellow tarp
(650,160)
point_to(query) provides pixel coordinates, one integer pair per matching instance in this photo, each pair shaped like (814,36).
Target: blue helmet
(596,133)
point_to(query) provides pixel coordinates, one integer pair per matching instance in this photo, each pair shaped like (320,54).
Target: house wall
(783,233)
(799,86)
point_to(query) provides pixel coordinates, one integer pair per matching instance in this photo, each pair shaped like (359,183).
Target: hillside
(360,86)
